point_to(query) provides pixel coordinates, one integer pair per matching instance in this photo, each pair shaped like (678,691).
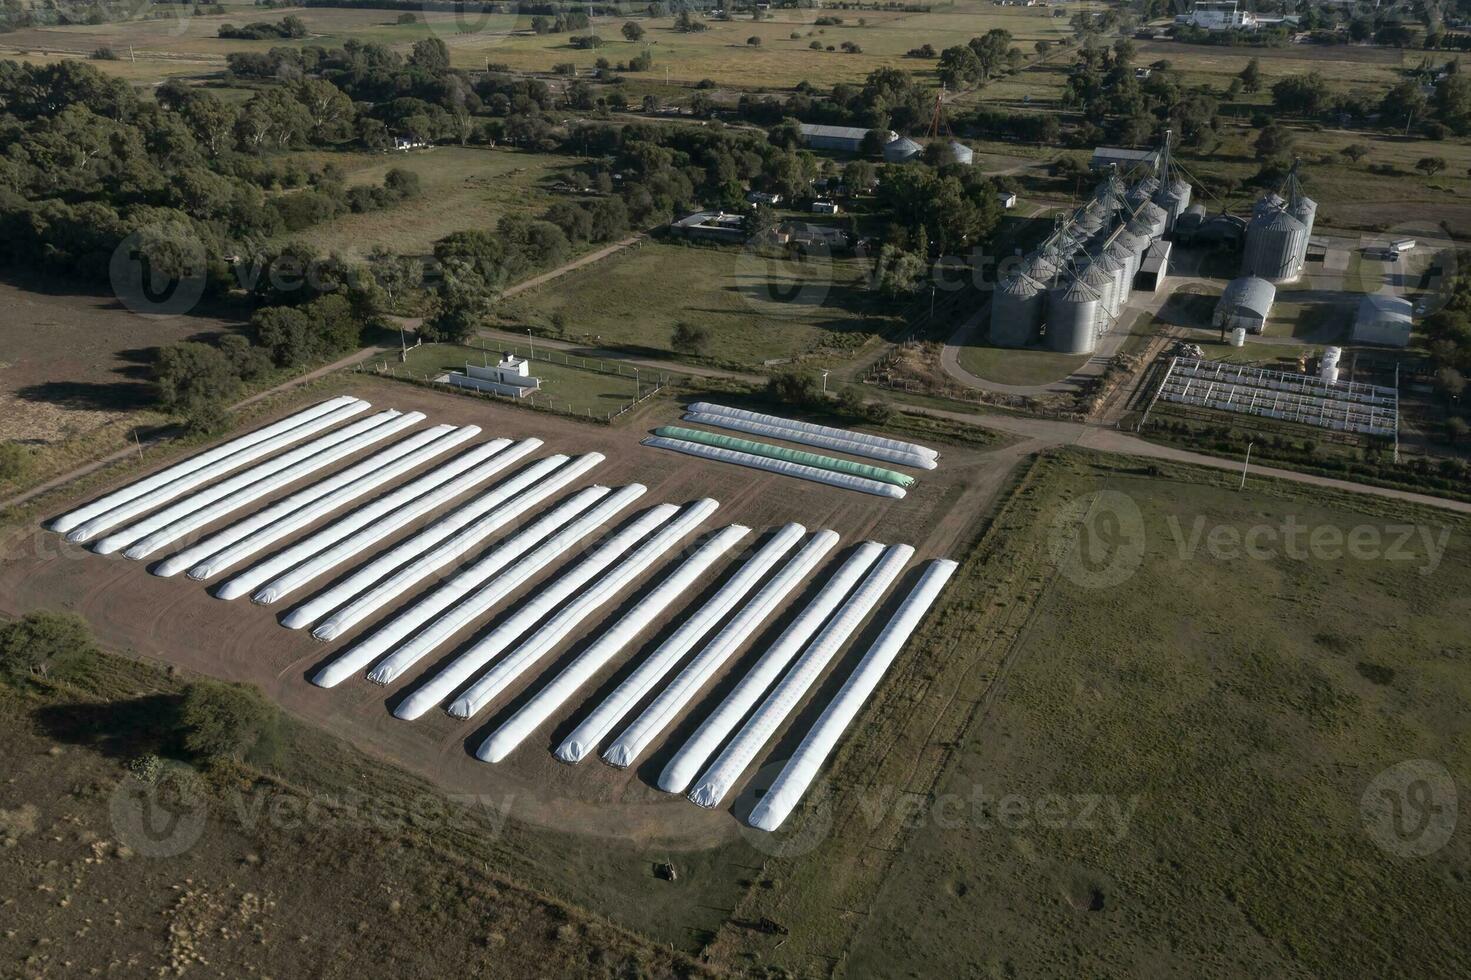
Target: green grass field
(754,308)
(1019,367)
(464,188)
(1177,769)
(565,387)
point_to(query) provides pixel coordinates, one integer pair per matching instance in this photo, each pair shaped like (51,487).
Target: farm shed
(1383,319)
(1246,303)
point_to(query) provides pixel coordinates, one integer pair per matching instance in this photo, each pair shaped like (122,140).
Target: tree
(753,41)
(285,333)
(687,338)
(194,379)
(761,224)
(1273,141)
(1355,152)
(1251,76)
(633,31)
(1430,166)
(959,67)
(1450,383)
(797,387)
(224,721)
(431,54)
(45,644)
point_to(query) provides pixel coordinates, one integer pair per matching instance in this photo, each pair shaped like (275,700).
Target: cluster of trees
(889,98)
(561,22)
(978,60)
(287,28)
(1104,86)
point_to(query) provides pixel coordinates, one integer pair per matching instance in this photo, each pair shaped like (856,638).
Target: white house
(510,376)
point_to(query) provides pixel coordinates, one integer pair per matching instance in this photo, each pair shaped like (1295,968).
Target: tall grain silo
(1016,311)
(1111,262)
(1305,210)
(1266,204)
(1103,282)
(1040,267)
(1142,191)
(1072,313)
(1133,246)
(1174,198)
(1155,217)
(961,153)
(1275,244)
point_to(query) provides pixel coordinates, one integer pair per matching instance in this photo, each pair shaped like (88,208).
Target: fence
(541,401)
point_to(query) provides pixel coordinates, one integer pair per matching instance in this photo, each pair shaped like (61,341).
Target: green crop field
(1157,734)
(464,188)
(753,307)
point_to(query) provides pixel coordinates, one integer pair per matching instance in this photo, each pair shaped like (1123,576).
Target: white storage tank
(1072,313)
(1238,337)
(1016,311)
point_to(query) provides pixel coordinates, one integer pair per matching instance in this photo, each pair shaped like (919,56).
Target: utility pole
(825,373)
(530,345)
(1245,463)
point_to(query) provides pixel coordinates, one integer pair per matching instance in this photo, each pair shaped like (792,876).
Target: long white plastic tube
(493,565)
(675,697)
(436,546)
(245,537)
(559,627)
(194,464)
(359,529)
(818,744)
(368,429)
(784,467)
(792,689)
(598,594)
(503,581)
(144,502)
(898,445)
(593,728)
(307,464)
(463,667)
(697,749)
(835,443)
(605,647)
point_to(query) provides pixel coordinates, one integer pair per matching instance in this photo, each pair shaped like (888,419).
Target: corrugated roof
(1251,292)
(834,132)
(1384,308)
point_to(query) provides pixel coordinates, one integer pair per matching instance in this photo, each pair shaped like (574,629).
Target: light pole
(530,345)
(825,373)
(1244,464)
(637,388)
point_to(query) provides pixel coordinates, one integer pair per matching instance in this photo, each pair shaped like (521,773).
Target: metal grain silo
(1016,311)
(1275,244)
(1142,191)
(1266,204)
(1155,217)
(1133,246)
(961,153)
(1041,266)
(1072,315)
(1101,281)
(1305,210)
(1174,198)
(902,150)
(1114,264)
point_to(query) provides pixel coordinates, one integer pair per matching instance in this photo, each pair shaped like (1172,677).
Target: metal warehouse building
(1246,303)
(844,139)
(1383,319)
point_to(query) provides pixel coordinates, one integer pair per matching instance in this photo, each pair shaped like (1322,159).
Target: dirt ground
(178,622)
(72,361)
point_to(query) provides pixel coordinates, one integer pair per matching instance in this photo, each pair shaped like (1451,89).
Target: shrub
(15,462)
(226,721)
(46,644)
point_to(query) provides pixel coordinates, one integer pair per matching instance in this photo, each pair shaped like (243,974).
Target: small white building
(824,207)
(510,376)
(1007,199)
(1219,15)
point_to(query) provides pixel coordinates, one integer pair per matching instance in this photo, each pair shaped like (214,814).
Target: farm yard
(550,802)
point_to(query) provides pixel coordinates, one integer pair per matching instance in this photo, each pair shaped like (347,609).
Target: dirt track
(177,621)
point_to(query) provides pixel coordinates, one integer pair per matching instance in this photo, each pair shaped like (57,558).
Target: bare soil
(72,361)
(176,620)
